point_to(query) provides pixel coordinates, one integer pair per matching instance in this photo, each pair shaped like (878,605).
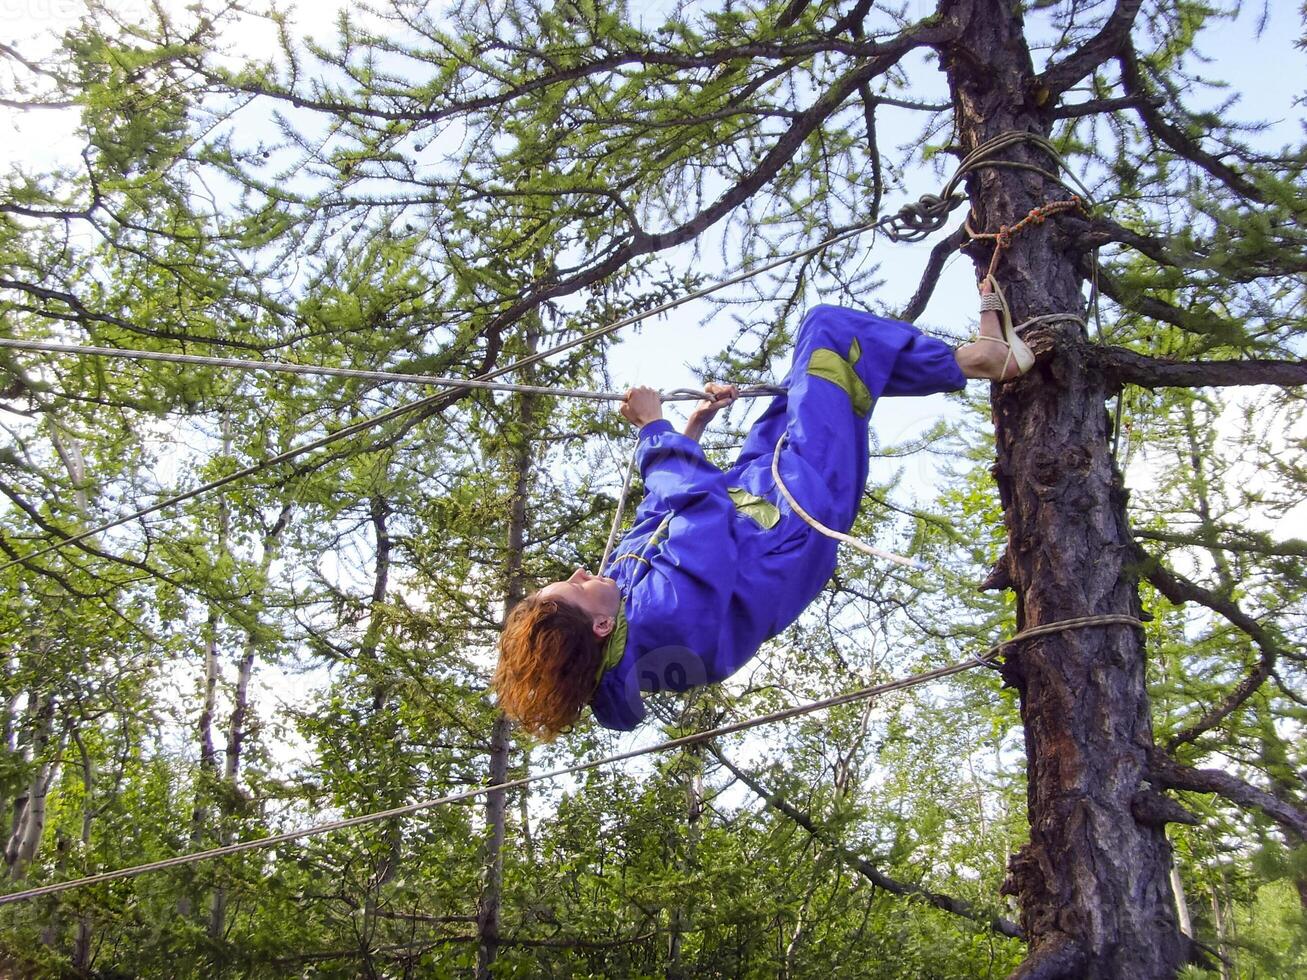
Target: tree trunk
(683,912)
(488,912)
(1181,902)
(524,810)
(29,808)
(1094,880)
(231,769)
(1222,948)
(501,741)
(204,785)
(32,828)
(379,512)
(237,730)
(81,958)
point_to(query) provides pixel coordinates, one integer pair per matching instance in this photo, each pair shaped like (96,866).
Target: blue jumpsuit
(717,563)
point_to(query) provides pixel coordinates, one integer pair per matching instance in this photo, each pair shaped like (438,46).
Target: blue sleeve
(674,469)
(683,601)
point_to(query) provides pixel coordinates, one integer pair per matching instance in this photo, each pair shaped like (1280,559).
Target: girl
(716,562)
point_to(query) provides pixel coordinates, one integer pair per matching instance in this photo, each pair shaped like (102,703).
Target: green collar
(616,645)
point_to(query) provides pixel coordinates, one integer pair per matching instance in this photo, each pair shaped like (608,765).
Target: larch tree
(423,189)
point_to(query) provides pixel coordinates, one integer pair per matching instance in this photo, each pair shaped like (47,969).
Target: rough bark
(1166,772)
(1093,881)
(1127,366)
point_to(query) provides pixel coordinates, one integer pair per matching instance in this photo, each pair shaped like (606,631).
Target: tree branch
(1093,107)
(957,906)
(1179,590)
(1061,75)
(1285,261)
(642,243)
(32,66)
(226,602)
(1128,367)
(1101,231)
(82,314)
(1135,85)
(930,275)
(611,62)
(1200,323)
(56,214)
(1165,771)
(1289,548)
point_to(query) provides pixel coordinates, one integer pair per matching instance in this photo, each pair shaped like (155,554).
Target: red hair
(548,669)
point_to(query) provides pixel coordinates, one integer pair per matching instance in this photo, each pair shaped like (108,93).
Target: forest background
(443,191)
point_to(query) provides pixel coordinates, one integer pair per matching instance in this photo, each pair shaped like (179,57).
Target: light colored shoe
(1019,354)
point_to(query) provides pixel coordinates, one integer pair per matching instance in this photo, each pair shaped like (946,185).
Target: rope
(856,543)
(1003,237)
(914,222)
(918,220)
(621,508)
(783,714)
(284,367)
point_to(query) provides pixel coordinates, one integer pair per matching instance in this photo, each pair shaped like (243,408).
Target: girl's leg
(844,360)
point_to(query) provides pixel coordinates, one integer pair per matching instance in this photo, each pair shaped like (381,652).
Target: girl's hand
(642,406)
(722,396)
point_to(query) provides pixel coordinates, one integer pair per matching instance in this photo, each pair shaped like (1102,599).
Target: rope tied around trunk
(1036,216)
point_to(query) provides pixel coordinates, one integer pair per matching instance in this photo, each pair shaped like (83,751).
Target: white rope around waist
(856,544)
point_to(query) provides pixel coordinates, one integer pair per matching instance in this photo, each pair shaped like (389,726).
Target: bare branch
(1094,107)
(32,66)
(57,214)
(1179,590)
(1128,367)
(1101,231)
(1102,47)
(957,906)
(930,275)
(1166,771)
(27,106)
(792,12)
